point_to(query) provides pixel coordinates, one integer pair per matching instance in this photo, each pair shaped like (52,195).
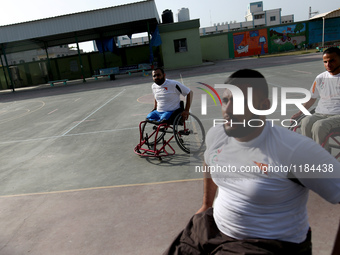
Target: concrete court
(71,184)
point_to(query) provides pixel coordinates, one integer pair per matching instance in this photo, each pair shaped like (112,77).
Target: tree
(298,27)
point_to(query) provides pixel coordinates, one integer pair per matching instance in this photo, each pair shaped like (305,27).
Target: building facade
(255,17)
(35,55)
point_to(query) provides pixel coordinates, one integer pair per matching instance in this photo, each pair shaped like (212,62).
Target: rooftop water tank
(167,16)
(183,14)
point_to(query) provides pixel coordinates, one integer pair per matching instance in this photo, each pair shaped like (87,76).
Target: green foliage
(299,27)
(274,37)
(284,47)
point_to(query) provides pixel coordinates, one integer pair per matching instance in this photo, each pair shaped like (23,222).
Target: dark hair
(159,68)
(332,50)
(249,77)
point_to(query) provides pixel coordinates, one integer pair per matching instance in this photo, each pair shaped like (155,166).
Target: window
(272,18)
(181,45)
(259,16)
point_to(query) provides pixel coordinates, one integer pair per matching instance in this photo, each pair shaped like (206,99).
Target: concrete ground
(71,183)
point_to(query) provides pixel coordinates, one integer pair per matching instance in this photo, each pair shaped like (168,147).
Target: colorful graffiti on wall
(250,43)
(288,37)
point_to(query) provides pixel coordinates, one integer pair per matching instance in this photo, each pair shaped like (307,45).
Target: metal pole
(104,56)
(80,60)
(3,69)
(323,31)
(49,66)
(150,46)
(8,70)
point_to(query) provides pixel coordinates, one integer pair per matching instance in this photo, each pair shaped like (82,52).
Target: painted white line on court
(274,85)
(103,131)
(102,188)
(52,111)
(68,135)
(92,113)
(31,140)
(298,71)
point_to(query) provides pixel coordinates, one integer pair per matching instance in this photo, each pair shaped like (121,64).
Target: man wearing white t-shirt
(262,211)
(167,97)
(326,87)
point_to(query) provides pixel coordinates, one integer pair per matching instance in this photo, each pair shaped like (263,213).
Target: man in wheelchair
(326,87)
(169,116)
(167,97)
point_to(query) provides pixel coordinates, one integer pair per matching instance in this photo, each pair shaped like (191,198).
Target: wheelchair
(333,135)
(189,135)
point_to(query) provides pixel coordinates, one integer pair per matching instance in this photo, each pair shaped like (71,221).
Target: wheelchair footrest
(162,152)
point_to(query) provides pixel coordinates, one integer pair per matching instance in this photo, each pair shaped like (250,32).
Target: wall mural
(250,43)
(288,37)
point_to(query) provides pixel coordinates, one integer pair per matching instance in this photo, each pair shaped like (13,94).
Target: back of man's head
(250,78)
(332,50)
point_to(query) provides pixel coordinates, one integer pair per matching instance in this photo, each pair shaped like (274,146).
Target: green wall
(215,47)
(3,84)
(183,30)
(69,67)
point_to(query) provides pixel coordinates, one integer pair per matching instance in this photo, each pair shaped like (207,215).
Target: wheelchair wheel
(189,134)
(149,133)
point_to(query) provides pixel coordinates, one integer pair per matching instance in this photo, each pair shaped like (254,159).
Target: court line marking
(31,140)
(100,188)
(28,111)
(274,85)
(68,135)
(52,111)
(93,113)
(138,99)
(305,72)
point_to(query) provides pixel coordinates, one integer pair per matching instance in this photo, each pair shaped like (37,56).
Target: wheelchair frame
(148,143)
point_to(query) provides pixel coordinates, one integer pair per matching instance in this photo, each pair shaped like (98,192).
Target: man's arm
(185,113)
(210,189)
(307,105)
(154,105)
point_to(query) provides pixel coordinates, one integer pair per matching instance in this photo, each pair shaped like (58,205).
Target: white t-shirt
(168,94)
(327,87)
(265,204)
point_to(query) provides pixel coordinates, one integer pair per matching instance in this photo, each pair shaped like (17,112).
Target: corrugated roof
(327,15)
(68,14)
(72,23)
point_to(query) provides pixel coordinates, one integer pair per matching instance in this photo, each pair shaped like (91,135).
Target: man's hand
(307,105)
(185,114)
(296,115)
(202,209)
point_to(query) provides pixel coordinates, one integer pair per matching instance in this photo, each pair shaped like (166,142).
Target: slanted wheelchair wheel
(189,134)
(149,134)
